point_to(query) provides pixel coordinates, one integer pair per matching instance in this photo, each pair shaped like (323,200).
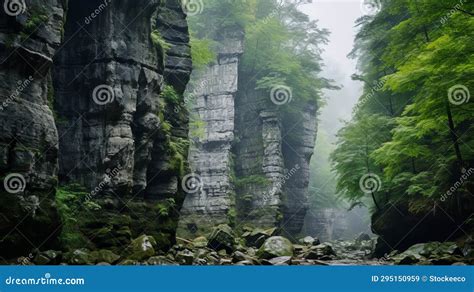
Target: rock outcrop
(252,159)
(30,33)
(272,160)
(213,91)
(119,80)
(108,123)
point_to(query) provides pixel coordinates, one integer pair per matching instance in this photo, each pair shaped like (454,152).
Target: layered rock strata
(213,93)
(30,33)
(119,79)
(252,158)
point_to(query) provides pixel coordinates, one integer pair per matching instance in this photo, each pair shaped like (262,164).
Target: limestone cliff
(273,151)
(252,161)
(108,123)
(119,79)
(30,33)
(213,93)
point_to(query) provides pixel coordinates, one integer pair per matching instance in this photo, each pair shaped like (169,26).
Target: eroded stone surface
(29,139)
(213,92)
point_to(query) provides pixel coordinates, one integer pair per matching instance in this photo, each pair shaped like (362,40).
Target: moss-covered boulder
(437,253)
(257,236)
(104,256)
(141,248)
(160,261)
(185,257)
(200,242)
(79,257)
(50,257)
(276,246)
(322,251)
(308,240)
(222,237)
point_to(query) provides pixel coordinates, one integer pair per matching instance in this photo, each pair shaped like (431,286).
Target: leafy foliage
(410,132)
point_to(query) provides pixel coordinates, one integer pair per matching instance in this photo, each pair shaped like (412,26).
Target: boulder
(200,242)
(308,240)
(243,257)
(363,237)
(222,237)
(276,246)
(79,257)
(41,260)
(104,256)
(257,236)
(322,251)
(185,257)
(281,261)
(129,263)
(141,248)
(436,253)
(49,257)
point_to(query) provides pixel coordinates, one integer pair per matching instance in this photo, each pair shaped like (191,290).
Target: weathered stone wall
(259,165)
(252,160)
(119,133)
(272,161)
(29,36)
(213,93)
(298,136)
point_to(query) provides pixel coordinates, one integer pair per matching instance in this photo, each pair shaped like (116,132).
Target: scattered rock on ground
(141,248)
(276,246)
(436,253)
(308,240)
(280,261)
(222,237)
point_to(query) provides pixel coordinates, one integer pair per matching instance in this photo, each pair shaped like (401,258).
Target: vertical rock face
(108,78)
(214,92)
(29,35)
(259,160)
(272,161)
(252,159)
(298,146)
(116,98)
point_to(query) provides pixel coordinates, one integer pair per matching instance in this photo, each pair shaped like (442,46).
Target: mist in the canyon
(328,217)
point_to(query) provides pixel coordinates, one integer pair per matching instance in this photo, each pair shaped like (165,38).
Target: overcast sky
(339,17)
